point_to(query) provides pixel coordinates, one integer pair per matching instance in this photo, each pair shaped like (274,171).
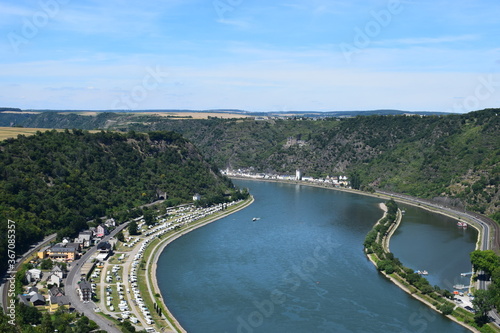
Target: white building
(33,275)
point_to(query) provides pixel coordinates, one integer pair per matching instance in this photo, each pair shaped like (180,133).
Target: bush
(446,308)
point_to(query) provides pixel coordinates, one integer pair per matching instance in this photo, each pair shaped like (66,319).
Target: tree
(149,217)
(127,327)
(120,236)
(132,228)
(46,326)
(29,314)
(355,180)
(47,264)
(485,261)
(482,303)
(446,308)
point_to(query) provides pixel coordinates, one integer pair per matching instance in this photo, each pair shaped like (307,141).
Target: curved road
(490,227)
(490,237)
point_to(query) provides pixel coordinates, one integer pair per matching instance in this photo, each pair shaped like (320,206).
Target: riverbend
(216,279)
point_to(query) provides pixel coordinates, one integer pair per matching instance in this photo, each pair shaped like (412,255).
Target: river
(299,268)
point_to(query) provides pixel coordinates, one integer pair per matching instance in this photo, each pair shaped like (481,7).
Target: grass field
(177,115)
(13,132)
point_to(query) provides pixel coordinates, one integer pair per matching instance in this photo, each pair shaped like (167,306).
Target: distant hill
(452,158)
(449,157)
(9,109)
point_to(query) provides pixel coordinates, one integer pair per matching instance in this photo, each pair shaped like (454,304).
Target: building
(85,290)
(54,280)
(37,299)
(33,275)
(298,175)
(84,238)
(110,222)
(42,254)
(57,298)
(104,247)
(196,197)
(63,252)
(101,231)
(58,271)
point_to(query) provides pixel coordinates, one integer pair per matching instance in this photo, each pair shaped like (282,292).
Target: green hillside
(57,181)
(452,158)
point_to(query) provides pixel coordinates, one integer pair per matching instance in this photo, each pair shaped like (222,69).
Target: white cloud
(427,40)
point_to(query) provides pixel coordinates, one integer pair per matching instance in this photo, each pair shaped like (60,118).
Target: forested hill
(57,181)
(454,158)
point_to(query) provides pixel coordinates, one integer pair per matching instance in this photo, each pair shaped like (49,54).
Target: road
(486,224)
(72,286)
(490,236)
(33,248)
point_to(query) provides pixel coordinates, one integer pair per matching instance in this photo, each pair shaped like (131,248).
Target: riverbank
(481,243)
(417,203)
(156,250)
(394,275)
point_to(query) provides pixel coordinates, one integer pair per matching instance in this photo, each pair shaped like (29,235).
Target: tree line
(58,181)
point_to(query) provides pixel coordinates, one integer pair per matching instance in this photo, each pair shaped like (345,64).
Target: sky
(255,55)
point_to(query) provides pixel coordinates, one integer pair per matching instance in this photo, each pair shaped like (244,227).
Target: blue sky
(252,55)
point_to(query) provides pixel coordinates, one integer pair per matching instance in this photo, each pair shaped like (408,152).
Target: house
(55,291)
(33,275)
(57,298)
(104,247)
(58,271)
(85,290)
(37,299)
(25,299)
(60,300)
(54,280)
(32,289)
(84,238)
(101,231)
(110,222)
(196,197)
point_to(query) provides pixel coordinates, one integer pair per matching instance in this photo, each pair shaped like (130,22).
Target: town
(113,279)
(336,181)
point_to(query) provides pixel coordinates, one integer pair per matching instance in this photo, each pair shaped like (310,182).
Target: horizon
(255,56)
(217,110)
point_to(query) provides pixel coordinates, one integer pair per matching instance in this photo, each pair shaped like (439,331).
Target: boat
(462,224)
(256,219)
(424,272)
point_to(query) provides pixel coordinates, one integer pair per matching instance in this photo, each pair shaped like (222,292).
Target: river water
(301,267)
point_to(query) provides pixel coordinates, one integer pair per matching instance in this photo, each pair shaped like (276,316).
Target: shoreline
(152,264)
(426,206)
(175,326)
(398,283)
(387,238)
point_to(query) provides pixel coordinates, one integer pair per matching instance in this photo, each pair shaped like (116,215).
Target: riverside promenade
(152,252)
